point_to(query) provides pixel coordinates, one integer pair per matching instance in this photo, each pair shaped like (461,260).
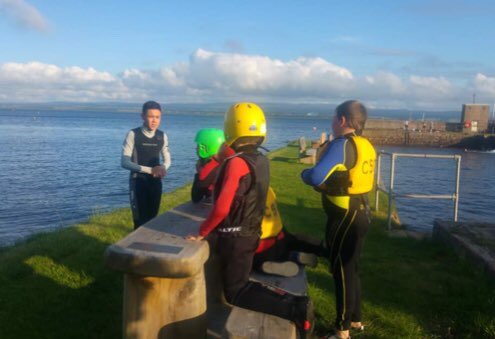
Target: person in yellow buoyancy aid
(279,251)
(344,175)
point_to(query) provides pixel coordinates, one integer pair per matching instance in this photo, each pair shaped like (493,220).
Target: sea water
(59,168)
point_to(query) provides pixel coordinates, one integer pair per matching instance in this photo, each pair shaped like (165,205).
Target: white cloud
(384,82)
(212,76)
(437,86)
(263,76)
(24,15)
(35,81)
(485,85)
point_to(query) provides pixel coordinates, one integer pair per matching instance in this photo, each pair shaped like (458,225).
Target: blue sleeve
(333,157)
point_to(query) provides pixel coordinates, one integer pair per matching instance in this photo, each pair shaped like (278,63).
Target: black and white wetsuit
(142,151)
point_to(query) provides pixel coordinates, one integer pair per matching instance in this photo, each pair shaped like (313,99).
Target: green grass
(411,288)
(55,285)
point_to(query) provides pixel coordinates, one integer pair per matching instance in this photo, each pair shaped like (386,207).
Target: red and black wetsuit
(233,228)
(204,179)
(235,220)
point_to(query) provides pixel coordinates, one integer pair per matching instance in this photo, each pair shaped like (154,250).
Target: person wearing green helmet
(208,141)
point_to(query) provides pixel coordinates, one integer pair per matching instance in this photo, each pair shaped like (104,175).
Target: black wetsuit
(345,227)
(141,152)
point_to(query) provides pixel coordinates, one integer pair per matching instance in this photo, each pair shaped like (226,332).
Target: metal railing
(390,191)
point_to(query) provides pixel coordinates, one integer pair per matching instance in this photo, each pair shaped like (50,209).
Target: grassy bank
(55,285)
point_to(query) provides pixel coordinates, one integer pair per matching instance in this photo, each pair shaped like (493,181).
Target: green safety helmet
(209,141)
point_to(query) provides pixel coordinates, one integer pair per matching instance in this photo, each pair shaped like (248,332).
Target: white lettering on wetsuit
(229,229)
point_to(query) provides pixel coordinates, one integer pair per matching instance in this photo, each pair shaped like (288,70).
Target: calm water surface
(58,168)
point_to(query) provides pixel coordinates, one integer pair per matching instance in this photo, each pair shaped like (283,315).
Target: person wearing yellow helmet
(242,183)
(233,226)
(344,175)
(279,252)
(208,141)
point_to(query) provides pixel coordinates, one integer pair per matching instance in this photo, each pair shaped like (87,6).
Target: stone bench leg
(164,307)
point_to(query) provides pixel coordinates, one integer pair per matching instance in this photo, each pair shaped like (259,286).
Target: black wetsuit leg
(236,257)
(281,250)
(346,230)
(302,243)
(278,252)
(145,195)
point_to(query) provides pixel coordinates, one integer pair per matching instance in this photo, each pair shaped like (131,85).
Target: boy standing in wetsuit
(233,227)
(141,153)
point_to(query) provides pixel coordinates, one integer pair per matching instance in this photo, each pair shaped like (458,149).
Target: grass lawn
(55,285)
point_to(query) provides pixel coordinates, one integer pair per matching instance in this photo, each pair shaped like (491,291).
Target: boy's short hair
(151,105)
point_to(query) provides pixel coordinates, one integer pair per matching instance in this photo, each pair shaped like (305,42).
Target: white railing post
(390,190)
(378,178)
(391,193)
(457,182)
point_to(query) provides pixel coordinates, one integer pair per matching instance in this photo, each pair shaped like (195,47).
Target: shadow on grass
(56,286)
(285,159)
(405,283)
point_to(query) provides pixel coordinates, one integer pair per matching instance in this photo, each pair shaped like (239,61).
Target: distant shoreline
(317,110)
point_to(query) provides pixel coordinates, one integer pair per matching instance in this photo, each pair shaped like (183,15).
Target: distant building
(475,117)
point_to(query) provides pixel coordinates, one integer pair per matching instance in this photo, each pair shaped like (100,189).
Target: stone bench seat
(165,291)
(297,285)
(159,247)
(247,324)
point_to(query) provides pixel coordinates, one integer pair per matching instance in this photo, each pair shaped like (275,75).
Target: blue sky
(402,54)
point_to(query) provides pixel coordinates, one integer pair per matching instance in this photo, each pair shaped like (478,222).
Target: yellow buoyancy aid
(272,222)
(362,175)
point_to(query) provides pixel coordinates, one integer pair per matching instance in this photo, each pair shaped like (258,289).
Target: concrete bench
(164,285)
(246,324)
(243,323)
(172,288)
(309,155)
(306,156)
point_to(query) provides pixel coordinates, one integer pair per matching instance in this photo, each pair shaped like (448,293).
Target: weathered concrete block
(246,324)
(475,241)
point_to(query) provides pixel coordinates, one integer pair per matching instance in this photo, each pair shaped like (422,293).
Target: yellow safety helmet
(244,119)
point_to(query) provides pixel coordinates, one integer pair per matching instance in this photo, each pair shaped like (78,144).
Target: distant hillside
(274,109)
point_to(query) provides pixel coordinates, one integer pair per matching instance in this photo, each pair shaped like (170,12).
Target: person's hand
(195,237)
(158,172)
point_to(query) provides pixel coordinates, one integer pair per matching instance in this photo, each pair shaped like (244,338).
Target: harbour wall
(399,137)
(425,133)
